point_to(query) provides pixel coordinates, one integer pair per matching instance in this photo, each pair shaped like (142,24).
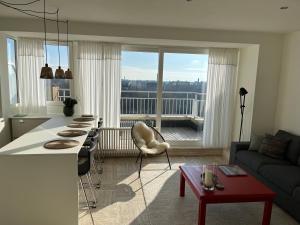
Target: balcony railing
(173,103)
(145,102)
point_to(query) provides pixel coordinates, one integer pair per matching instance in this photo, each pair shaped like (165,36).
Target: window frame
(162,50)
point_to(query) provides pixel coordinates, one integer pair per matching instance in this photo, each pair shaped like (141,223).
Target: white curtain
(98,80)
(32,89)
(221,86)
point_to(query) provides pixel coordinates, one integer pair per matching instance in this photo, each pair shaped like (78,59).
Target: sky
(52,53)
(144,65)
(177,66)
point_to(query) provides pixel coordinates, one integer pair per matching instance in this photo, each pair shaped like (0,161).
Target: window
(139,83)
(58,89)
(12,71)
(166,90)
(184,96)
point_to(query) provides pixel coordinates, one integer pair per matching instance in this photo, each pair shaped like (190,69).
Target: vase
(68,111)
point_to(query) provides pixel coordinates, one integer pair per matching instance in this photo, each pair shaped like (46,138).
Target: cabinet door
(21,126)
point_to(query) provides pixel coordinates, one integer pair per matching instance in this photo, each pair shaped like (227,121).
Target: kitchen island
(39,186)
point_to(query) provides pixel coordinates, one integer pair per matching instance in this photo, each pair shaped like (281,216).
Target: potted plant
(69,106)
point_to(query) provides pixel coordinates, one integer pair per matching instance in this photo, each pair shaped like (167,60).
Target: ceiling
(246,15)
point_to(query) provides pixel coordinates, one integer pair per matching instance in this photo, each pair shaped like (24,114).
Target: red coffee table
(237,189)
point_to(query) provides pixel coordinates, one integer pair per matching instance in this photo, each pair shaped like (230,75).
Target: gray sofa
(282,176)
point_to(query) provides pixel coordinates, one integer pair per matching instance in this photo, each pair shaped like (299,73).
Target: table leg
(182,185)
(202,213)
(267,213)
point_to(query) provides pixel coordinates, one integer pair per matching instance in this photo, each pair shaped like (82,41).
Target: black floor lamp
(242,93)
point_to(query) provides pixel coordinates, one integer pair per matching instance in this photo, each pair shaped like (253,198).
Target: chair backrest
(84,161)
(142,134)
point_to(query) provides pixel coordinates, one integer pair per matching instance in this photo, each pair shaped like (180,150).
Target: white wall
(269,62)
(247,72)
(288,107)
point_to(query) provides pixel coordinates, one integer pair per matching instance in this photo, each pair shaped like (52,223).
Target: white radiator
(116,142)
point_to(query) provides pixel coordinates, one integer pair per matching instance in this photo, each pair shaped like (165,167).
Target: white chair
(148,141)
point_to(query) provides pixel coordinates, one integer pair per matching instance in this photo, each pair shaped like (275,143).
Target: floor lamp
(242,93)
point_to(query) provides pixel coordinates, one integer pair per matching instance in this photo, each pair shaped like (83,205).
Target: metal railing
(145,102)
(173,103)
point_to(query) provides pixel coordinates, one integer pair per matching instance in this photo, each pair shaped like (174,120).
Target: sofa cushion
(255,160)
(286,177)
(293,151)
(274,146)
(255,142)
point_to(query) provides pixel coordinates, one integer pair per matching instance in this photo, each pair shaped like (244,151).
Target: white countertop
(32,142)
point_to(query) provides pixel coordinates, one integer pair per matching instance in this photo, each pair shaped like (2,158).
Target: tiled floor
(181,133)
(153,200)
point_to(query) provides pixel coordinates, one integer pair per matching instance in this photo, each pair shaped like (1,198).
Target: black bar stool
(95,134)
(83,170)
(91,144)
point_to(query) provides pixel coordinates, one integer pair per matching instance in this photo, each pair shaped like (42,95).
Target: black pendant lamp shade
(59,72)
(68,73)
(46,72)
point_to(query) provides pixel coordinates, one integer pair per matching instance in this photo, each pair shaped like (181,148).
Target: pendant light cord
(45,29)
(58,37)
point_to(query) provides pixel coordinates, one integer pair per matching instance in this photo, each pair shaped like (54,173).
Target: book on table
(232,170)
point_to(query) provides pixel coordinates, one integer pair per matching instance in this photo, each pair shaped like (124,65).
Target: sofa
(281,175)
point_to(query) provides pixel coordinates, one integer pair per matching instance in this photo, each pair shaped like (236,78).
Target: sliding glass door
(183,97)
(167,90)
(139,87)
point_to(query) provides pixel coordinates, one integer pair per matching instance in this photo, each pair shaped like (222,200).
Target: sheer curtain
(221,86)
(32,89)
(98,80)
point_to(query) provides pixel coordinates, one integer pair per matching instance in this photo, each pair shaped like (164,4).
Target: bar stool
(95,134)
(83,170)
(91,144)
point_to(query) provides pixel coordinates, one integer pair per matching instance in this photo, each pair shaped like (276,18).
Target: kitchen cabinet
(21,125)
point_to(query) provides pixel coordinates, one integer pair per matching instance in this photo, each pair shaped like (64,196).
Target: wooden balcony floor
(181,134)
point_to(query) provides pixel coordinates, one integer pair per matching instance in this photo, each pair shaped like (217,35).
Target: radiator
(116,142)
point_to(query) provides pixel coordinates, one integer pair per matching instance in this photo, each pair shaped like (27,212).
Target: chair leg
(98,174)
(91,189)
(87,201)
(137,159)
(140,165)
(168,159)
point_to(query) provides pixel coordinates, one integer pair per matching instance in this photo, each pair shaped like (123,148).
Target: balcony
(182,112)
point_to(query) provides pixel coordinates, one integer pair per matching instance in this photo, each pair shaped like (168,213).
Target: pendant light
(68,73)
(59,73)
(46,72)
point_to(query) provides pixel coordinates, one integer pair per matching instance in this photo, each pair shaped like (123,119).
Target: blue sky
(177,66)
(53,56)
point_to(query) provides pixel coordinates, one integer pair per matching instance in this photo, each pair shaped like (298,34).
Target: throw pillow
(255,142)
(273,146)
(293,150)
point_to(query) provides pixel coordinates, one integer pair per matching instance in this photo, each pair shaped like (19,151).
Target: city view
(183,94)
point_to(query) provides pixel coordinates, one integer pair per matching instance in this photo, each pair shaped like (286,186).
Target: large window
(166,90)
(12,71)
(58,89)
(139,83)
(184,96)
